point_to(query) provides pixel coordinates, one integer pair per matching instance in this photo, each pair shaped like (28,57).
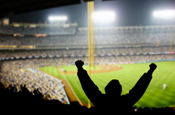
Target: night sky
(129,13)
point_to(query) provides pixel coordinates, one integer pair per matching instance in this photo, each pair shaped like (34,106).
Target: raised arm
(90,89)
(138,90)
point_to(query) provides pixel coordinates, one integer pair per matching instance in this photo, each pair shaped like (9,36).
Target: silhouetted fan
(113,101)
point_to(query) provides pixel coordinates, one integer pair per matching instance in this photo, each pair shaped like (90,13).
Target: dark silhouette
(113,102)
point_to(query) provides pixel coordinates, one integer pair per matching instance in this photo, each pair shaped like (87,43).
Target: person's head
(113,88)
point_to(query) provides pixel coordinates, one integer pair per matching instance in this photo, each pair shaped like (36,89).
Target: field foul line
(72,89)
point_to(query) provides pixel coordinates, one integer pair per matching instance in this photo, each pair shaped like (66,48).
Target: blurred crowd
(37,30)
(101,60)
(98,59)
(104,36)
(17,73)
(110,55)
(77,52)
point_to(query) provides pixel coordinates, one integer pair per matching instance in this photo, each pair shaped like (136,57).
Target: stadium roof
(24,6)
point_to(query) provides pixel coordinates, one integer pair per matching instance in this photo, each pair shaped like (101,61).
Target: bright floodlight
(167,14)
(103,16)
(59,18)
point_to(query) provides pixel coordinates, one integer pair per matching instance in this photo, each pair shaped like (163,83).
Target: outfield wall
(157,61)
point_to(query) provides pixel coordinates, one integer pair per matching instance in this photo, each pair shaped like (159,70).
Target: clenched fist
(79,63)
(153,66)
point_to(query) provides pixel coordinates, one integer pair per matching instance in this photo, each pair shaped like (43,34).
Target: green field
(74,68)
(154,96)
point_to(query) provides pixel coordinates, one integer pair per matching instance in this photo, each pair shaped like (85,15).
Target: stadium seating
(55,36)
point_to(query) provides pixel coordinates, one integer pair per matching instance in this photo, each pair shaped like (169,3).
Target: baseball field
(128,75)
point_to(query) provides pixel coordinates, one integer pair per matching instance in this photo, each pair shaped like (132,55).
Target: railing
(70,56)
(157,60)
(69,46)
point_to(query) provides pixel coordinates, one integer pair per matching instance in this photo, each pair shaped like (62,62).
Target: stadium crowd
(37,30)
(105,36)
(110,55)
(84,52)
(18,73)
(101,60)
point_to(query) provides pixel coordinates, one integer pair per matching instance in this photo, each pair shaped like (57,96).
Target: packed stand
(22,72)
(37,30)
(84,52)
(104,36)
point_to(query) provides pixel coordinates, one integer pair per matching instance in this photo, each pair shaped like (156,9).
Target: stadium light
(105,16)
(165,14)
(58,18)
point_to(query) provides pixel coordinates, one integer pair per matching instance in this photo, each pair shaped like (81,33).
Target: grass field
(74,68)
(154,96)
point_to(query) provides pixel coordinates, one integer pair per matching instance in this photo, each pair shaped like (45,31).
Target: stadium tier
(23,66)
(73,35)
(38,30)
(115,55)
